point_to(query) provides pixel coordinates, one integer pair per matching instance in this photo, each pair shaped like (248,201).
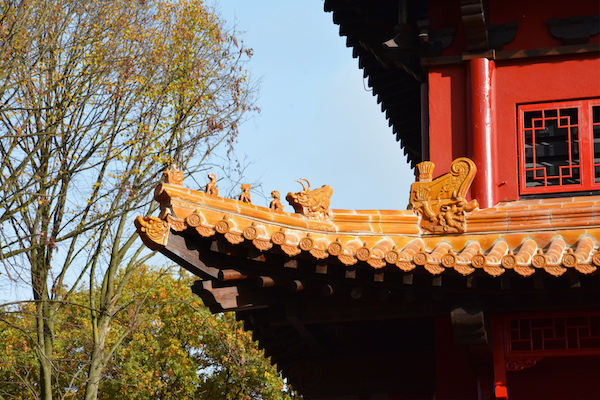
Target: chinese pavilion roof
(394,76)
(442,234)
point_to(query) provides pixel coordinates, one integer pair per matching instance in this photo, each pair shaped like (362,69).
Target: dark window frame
(587,165)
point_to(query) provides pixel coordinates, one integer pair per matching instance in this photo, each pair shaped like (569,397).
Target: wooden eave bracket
(574,30)
(473,18)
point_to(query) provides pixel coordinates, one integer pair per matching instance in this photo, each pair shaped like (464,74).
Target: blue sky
(318,119)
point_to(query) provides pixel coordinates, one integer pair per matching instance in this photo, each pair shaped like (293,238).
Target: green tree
(99,98)
(177,350)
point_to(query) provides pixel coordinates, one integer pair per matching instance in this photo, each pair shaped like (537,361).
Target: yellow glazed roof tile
(526,236)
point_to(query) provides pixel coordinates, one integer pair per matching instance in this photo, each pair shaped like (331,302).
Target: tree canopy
(177,350)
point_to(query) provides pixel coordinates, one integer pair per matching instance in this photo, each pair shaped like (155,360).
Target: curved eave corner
(552,235)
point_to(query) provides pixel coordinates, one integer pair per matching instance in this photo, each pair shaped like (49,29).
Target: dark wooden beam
(300,327)
(296,286)
(517,54)
(357,292)
(187,253)
(327,290)
(231,275)
(321,268)
(265,281)
(469,325)
(216,299)
(473,19)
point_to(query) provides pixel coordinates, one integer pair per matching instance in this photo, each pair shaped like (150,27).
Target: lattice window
(554,334)
(596,133)
(559,147)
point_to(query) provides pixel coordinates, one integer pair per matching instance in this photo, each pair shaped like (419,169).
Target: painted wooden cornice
(527,236)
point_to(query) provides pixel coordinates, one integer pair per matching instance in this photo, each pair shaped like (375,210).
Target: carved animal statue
(441,201)
(245,196)
(173,176)
(311,203)
(211,187)
(276,202)
(453,215)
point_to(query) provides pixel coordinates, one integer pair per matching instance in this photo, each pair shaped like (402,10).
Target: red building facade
(475,104)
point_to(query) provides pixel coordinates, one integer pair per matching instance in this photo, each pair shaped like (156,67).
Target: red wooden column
(498,353)
(482,135)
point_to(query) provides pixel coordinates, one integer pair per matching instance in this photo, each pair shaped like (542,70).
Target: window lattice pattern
(551,145)
(559,147)
(596,135)
(555,334)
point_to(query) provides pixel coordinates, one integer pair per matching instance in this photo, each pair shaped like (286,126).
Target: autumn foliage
(178,350)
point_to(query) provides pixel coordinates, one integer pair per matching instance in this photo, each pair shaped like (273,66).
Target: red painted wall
(515,82)
(447,116)
(524,81)
(573,378)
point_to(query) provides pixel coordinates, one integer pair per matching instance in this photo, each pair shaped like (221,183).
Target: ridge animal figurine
(311,203)
(276,202)
(245,196)
(211,187)
(173,176)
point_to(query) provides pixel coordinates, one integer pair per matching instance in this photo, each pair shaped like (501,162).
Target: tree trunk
(45,328)
(44,339)
(97,359)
